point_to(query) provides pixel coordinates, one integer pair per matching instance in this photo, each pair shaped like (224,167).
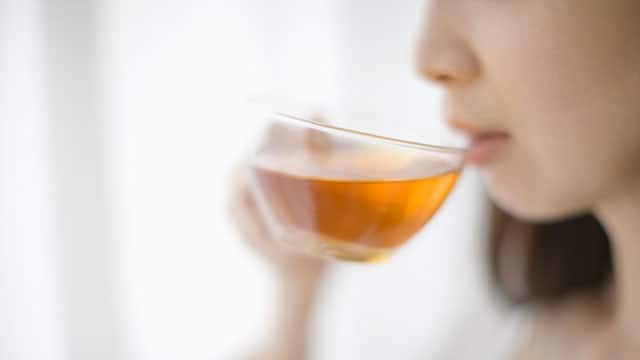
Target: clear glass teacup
(337,192)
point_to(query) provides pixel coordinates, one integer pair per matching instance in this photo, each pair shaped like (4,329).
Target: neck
(620,216)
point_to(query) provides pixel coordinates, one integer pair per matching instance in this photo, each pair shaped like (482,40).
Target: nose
(443,54)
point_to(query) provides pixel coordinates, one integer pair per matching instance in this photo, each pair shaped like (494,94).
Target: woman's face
(550,91)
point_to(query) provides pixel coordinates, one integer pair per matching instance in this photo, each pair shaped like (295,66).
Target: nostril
(437,76)
(443,78)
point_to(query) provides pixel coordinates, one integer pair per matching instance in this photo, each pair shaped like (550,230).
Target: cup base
(326,246)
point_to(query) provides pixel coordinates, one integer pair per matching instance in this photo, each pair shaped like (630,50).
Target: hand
(244,211)
(254,232)
(298,277)
(298,274)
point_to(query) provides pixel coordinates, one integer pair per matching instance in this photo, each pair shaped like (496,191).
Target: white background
(120,123)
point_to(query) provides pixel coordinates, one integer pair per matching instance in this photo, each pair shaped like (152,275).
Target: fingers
(280,141)
(284,136)
(281,135)
(317,142)
(244,213)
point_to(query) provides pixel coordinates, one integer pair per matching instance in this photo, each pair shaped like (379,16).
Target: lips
(485,143)
(485,147)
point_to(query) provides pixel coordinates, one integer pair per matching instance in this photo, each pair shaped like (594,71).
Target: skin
(562,79)
(298,276)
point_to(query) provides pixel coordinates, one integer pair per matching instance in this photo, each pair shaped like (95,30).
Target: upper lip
(474,132)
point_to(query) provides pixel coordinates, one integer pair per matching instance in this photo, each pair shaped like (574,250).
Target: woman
(548,92)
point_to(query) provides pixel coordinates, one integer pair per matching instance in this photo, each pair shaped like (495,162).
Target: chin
(537,212)
(530,202)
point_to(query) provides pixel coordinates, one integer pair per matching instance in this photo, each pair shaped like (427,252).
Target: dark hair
(548,262)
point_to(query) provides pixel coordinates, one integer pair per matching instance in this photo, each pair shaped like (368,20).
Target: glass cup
(331,191)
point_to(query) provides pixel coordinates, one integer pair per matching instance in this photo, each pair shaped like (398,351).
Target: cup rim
(317,125)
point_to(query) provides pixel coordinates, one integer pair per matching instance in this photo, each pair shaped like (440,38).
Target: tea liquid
(356,219)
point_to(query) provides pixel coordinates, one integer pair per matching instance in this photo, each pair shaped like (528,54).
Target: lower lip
(485,148)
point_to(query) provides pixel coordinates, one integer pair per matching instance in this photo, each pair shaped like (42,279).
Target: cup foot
(320,245)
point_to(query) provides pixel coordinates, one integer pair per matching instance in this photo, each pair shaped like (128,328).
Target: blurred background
(120,121)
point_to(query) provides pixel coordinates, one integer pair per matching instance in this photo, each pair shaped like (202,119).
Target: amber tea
(331,208)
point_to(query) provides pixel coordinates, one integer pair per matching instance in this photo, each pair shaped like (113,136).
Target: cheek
(562,162)
(569,98)
(547,171)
